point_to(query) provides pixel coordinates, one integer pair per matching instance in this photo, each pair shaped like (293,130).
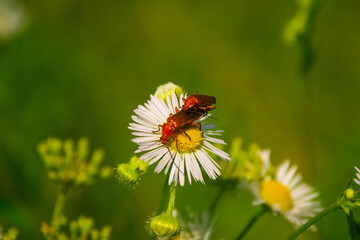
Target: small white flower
(265,163)
(357,180)
(12,18)
(196,228)
(193,150)
(199,229)
(287,195)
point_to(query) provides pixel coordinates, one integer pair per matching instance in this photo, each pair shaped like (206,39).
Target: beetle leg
(183,130)
(196,123)
(158,129)
(187,135)
(177,147)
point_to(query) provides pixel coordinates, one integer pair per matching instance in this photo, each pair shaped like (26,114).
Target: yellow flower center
(274,192)
(187,140)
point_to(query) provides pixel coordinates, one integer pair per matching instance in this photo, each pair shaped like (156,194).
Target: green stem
(333,207)
(216,200)
(59,205)
(163,198)
(171,199)
(252,221)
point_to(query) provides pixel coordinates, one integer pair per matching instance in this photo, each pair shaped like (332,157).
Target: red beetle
(175,122)
(199,102)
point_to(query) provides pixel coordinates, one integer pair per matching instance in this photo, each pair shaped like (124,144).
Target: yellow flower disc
(274,192)
(187,140)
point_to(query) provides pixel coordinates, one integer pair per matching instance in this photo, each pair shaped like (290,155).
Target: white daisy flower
(185,150)
(357,180)
(287,195)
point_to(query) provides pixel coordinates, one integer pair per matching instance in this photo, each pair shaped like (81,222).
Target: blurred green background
(79,68)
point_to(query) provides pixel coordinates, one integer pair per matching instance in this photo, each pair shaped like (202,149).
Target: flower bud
(52,175)
(92,169)
(69,165)
(105,233)
(59,222)
(127,173)
(74,229)
(349,193)
(106,172)
(140,165)
(95,234)
(83,148)
(47,230)
(42,149)
(97,156)
(11,234)
(54,146)
(165,225)
(167,89)
(62,236)
(85,225)
(82,178)
(69,150)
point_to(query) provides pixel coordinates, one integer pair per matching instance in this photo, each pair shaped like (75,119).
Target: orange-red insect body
(177,121)
(199,102)
(194,107)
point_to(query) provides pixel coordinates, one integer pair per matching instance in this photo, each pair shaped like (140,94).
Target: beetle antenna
(174,161)
(213,118)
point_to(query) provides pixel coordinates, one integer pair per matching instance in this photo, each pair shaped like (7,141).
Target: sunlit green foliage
(80,229)
(72,165)
(10,234)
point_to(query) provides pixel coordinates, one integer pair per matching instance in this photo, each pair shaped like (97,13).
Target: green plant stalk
(252,221)
(171,204)
(163,198)
(333,207)
(60,204)
(305,41)
(216,200)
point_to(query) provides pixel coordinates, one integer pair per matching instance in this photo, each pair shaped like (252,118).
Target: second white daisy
(287,195)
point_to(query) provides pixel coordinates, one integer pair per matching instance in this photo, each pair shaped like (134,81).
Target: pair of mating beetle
(194,107)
